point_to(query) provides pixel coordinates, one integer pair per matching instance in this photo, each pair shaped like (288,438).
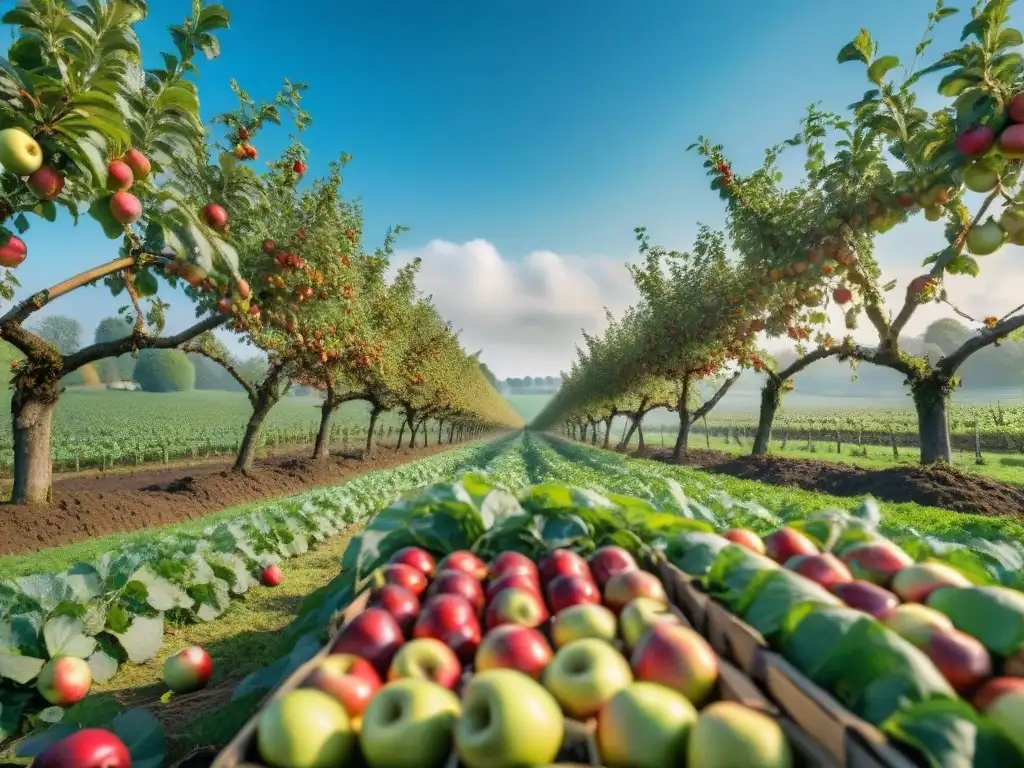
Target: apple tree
(86,129)
(961,165)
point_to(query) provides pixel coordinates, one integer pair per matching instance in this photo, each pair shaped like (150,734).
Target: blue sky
(551,126)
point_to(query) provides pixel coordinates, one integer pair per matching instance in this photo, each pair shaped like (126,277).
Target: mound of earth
(103,504)
(940,486)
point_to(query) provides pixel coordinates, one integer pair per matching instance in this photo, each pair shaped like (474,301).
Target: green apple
(585,674)
(641,614)
(645,725)
(20,154)
(728,734)
(408,724)
(305,728)
(916,623)
(583,620)
(1007,712)
(508,720)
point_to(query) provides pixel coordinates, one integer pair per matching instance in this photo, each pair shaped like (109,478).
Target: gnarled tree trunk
(771,397)
(401,433)
(683,405)
(323,435)
(31,421)
(375,412)
(266,397)
(931,399)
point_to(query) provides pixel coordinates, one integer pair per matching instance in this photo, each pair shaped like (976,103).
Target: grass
(243,639)
(1004,467)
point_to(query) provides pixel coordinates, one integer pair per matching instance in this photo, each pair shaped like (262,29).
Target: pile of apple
(489,661)
(913,600)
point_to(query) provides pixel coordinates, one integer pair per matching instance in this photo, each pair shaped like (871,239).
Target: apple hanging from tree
(46,183)
(12,252)
(215,216)
(139,164)
(125,208)
(119,176)
(20,154)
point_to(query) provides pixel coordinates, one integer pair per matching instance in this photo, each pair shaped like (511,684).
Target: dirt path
(101,504)
(943,487)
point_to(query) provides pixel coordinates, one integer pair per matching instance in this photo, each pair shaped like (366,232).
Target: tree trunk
(401,434)
(31,420)
(931,399)
(640,435)
(629,432)
(266,398)
(771,396)
(451,434)
(593,433)
(323,436)
(607,432)
(374,413)
(683,437)
(440,431)
(413,429)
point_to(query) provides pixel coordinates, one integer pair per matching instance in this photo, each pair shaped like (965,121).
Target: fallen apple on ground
(87,748)
(645,725)
(188,670)
(305,728)
(584,620)
(585,674)
(271,576)
(508,721)
(426,659)
(64,680)
(409,724)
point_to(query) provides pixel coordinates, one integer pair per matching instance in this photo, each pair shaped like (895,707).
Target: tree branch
(35,302)
(987,337)
(708,405)
(224,362)
(118,347)
(802,362)
(883,357)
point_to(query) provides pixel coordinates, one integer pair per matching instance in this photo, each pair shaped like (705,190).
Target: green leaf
(12,705)
(20,669)
(161,594)
(140,731)
(956,82)
(770,598)
(103,666)
(994,615)
(880,67)
(143,638)
(65,636)
(21,224)
(35,744)
(100,211)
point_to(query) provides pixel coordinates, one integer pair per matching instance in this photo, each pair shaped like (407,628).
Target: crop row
(113,611)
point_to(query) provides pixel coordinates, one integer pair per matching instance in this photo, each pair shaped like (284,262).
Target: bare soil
(940,486)
(87,505)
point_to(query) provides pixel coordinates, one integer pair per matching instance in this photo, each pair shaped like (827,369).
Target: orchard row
(265,253)
(804,260)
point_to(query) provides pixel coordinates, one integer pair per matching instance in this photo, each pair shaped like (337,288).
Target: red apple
(876,561)
(511,581)
(216,217)
(565,591)
(675,656)
(867,597)
(119,176)
(139,163)
(452,620)
(463,560)
(824,568)
(608,561)
(188,670)
(975,141)
(269,246)
(915,582)
(46,183)
(271,575)
(563,562)
(64,680)
(514,647)
(961,659)
(426,658)
(625,587)
(745,538)
(418,558)
(786,542)
(373,635)
(513,562)
(1015,109)
(242,286)
(451,582)
(87,748)
(299,167)
(125,208)
(516,606)
(404,576)
(12,252)
(402,604)
(350,680)
(994,688)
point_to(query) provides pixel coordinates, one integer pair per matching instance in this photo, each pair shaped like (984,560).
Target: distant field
(94,427)
(528,406)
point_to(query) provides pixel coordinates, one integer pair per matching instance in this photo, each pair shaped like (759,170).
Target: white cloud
(526,315)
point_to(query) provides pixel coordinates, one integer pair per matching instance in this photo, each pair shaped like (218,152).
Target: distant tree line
(528,385)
